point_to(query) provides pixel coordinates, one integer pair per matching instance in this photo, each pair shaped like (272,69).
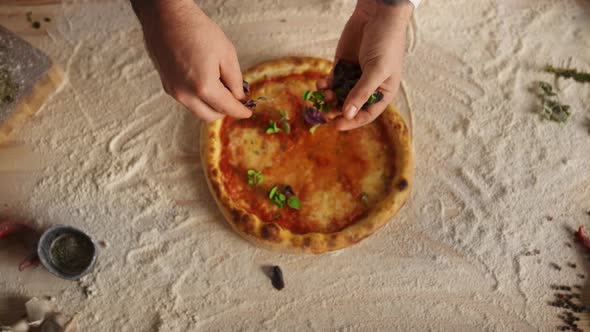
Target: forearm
(145,9)
(394,11)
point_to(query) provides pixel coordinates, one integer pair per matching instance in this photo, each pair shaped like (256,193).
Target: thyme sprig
(574,74)
(551,106)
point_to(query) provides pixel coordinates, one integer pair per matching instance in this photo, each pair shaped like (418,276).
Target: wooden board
(38,79)
(31,104)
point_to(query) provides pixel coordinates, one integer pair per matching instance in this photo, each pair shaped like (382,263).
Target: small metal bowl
(72,263)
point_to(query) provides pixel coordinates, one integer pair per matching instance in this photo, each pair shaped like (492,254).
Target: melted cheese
(328,170)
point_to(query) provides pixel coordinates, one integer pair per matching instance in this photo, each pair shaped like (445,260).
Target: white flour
(122,162)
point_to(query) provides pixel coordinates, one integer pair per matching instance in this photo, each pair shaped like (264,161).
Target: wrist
(146,10)
(391,12)
(397,11)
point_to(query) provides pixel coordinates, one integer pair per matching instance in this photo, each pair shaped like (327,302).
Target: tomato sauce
(320,161)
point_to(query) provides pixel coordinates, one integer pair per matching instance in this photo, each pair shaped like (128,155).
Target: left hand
(375,38)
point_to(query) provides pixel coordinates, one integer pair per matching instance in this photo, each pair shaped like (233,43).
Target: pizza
(287,183)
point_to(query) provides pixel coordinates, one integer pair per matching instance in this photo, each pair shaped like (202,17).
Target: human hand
(375,38)
(197,63)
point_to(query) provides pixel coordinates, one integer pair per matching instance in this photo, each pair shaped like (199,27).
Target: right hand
(197,63)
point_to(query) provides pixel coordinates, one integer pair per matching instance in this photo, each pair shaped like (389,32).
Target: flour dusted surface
(121,161)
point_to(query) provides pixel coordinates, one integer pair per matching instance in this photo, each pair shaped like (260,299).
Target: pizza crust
(271,235)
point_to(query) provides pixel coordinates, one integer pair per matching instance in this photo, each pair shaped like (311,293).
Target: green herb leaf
(278,199)
(312,129)
(273,192)
(286,126)
(272,128)
(254,177)
(569,73)
(285,121)
(318,95)
(551,106)
(294,203)
(325,108)
(546,88)
(307,95)
(372,99)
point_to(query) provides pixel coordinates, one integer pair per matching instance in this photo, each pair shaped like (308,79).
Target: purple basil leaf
(287,190)
(250,103)
(246,87)
(346,75)
(313,116)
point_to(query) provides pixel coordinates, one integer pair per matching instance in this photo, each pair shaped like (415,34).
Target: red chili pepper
(583,239)
(29,262)
(10,227)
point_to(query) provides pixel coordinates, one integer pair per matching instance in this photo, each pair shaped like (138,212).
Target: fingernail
(350,112)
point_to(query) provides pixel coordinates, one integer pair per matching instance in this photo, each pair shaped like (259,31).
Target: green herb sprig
(294,203)
(276,197)
(318,100)
(279,199)
(254,177)
(272,128)
(577,76)
(551,106)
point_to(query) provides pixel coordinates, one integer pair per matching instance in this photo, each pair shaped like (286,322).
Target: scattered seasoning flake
(47,19)
(254,177)
(581,276)
(276,277)
(36,25)
(294,203)
(555,266)
(364,199)
(572,265)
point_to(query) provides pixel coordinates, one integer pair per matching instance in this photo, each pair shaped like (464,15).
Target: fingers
(365,116)
(322,84)
(198,107)
(231,76)
(361,119)
(218,97)
(370,80)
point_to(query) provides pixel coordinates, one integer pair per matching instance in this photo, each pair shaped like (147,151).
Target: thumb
(372,77)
